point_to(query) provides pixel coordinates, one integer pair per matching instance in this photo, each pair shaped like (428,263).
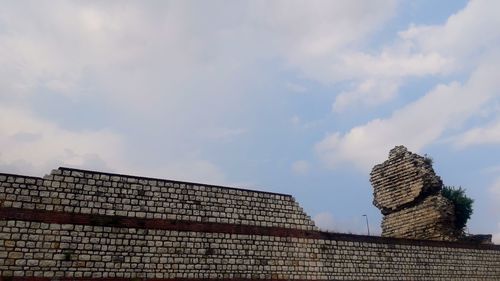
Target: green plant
(462,203)
(428,160)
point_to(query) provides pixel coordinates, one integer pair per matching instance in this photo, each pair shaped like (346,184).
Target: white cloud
(467,35)
(222,134)
(489,134)
(296,88)
(168,65)
(392,63)
(312,30)
(432,50)
(300,167)
(34,146)
(172,61)
(144,45)
(416,124)
(368,93)
(298,123)
(377,77)
(424,50)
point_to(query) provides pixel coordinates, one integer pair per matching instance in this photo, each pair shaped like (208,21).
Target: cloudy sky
(298,97)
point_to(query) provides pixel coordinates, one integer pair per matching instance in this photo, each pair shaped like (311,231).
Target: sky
(296,97)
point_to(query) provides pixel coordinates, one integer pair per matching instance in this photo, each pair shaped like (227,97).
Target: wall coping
(153,179)
(172,181)
(20,176)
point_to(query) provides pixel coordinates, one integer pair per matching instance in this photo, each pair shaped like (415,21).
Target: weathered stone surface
(431,219)
(100,252)
(88,192)
(407,192)
(403,179)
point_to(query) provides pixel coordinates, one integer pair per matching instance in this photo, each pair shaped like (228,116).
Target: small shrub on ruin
(462,203)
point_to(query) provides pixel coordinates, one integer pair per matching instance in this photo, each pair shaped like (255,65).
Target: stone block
(402,179)
(407,192)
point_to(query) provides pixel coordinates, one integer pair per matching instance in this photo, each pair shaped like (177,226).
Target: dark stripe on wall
(190,226)
(7,278)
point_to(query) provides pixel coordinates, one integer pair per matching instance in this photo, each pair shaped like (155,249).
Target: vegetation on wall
(463,204)
(428,160)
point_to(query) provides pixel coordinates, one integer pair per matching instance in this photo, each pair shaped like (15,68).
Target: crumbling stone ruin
(408,193)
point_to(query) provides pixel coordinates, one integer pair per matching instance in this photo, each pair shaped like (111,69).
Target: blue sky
(298,97)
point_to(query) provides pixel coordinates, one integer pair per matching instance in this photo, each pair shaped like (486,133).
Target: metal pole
(367,225)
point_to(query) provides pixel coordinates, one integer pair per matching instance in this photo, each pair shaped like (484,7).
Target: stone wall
(407,191)
(403,179)
(53,229)
(427,220)
(68,250)
(88,192)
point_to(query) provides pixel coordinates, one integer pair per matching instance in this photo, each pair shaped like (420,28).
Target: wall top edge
(146,178)
(168,180)
(405,241)
(20,176)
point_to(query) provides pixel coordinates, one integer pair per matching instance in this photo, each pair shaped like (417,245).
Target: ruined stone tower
(408,193)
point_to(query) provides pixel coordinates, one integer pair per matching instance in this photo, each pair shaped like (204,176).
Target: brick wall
(48,231)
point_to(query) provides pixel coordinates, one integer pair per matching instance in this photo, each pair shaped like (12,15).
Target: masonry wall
(408,193)
(87,192)
(41,238)
(429,219)
(402,179)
